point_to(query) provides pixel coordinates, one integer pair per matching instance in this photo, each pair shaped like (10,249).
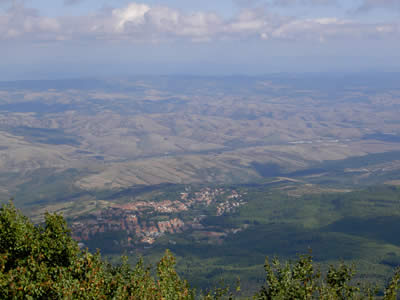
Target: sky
(45,39)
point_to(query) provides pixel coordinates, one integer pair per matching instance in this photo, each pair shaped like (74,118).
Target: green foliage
(44,262)
(300,280)
(391,290)
(297,281)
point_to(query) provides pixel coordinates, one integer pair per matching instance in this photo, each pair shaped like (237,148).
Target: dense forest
(44,262)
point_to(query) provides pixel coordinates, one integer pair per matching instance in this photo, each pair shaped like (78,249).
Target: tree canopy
(44,262)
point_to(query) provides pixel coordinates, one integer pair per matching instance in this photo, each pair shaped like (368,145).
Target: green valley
(221,171)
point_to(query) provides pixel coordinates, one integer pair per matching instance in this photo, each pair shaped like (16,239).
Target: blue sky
(72,38)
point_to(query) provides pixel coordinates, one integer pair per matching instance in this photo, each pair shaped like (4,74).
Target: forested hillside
(44,262)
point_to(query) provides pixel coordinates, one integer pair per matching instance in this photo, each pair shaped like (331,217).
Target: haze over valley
(144,131)
(146,163)
(225,131)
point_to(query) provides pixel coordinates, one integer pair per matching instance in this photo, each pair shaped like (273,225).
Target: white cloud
(325,29)
(20,22)
(141,22)
(133,14)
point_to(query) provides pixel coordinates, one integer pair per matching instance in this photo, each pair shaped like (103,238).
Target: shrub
(44,262)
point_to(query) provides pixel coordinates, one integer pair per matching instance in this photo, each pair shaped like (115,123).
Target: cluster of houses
(145,221)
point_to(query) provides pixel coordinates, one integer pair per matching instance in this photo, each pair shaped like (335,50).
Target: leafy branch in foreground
(44,262)
(300,280)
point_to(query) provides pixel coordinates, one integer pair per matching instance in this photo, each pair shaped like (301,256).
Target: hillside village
(146,221)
